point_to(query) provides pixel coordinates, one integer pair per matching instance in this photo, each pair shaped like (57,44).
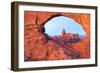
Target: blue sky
(55,25)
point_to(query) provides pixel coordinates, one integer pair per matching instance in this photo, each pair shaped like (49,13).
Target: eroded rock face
(39,46)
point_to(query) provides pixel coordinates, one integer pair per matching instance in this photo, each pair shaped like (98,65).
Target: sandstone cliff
(39,46)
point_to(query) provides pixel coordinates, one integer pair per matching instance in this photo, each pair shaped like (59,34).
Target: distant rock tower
(63,32)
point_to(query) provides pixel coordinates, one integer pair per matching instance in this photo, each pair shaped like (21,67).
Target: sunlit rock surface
(39,46)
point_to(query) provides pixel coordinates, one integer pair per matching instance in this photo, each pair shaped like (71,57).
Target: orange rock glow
(39,46)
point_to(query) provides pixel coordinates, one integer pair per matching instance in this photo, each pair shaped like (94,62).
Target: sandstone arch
(34,21)
(43,17)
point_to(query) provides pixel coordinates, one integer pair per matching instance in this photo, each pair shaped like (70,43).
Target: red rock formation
(38,45)
(70,36)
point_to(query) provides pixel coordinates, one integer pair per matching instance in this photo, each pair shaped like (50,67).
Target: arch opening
(64,27)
